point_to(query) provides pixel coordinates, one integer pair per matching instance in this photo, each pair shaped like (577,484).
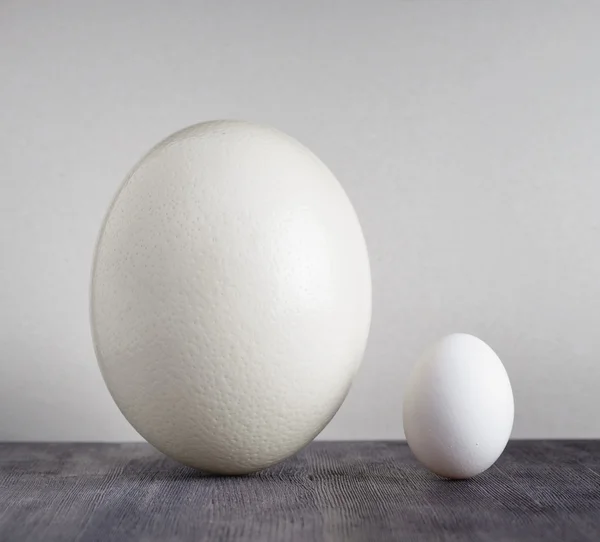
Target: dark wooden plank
(374,491)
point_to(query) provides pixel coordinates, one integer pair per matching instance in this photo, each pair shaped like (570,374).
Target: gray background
(466,134)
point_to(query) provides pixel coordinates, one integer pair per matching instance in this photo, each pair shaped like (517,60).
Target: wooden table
(346,491)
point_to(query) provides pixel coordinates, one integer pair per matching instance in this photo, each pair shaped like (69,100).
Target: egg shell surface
(230,296)
(458,407)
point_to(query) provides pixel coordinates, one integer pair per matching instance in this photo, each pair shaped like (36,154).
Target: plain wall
(467,134)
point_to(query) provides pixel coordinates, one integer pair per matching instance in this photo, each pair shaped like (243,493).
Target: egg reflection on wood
(458,407)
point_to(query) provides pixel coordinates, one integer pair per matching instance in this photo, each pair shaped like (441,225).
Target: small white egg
(458,407)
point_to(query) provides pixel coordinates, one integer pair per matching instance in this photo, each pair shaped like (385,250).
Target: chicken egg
(458,407)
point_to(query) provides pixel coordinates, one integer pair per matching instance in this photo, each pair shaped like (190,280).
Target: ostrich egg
(230,296)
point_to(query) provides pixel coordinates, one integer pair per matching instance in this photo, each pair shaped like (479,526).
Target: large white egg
(458,407)
(230,296)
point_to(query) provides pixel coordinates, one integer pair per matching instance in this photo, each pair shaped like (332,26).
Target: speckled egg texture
(230,296)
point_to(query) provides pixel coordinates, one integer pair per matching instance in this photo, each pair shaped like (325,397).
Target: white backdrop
(466,133)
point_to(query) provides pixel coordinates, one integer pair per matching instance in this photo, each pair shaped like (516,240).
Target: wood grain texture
(372,491)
